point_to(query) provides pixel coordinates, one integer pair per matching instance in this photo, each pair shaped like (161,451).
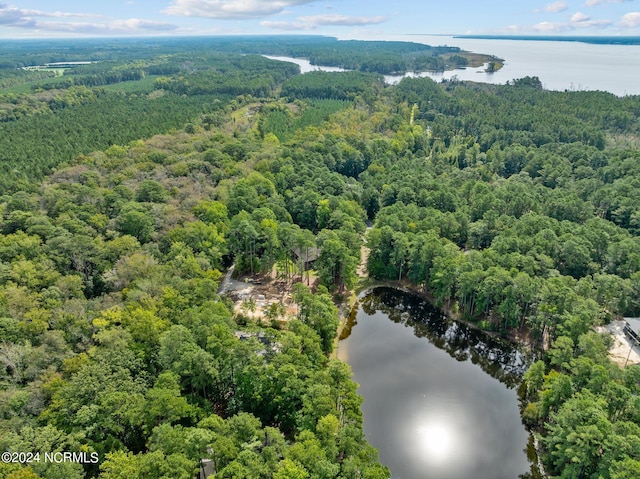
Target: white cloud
(230,9)
(115,27)
(549,27)
(285,25)
(311,22)
(630,20)
(593,3)
(598,24)
(40,13)
(555,7)
(578,21)
(342,20)
(11,16)
(20,16)
(580,17)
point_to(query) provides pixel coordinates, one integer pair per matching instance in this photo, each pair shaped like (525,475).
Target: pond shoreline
(454,338)
(368,284)
(347,309)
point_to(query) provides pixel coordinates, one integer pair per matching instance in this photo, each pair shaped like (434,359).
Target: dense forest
(132,185)
(367,56)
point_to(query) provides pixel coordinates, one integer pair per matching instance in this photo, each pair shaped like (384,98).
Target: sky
(340,18)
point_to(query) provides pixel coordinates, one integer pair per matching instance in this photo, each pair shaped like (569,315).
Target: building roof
(634,324)
(308,254)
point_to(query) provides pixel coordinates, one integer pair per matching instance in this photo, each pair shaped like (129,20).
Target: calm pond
(440,398)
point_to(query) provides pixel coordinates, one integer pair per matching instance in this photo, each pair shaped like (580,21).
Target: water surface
(560,65)
(440,399)
(571,66)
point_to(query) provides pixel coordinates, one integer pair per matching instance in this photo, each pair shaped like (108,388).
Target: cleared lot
(623,352)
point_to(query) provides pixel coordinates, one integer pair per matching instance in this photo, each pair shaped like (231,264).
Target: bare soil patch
(623,352)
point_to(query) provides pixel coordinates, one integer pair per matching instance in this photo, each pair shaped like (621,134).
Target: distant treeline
(380,57)
(559,38)
(213,73)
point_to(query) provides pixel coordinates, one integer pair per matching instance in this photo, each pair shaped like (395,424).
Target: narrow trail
(344,308)
(226,281)
(361,271)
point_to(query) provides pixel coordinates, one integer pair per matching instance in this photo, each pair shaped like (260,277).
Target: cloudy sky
(342,18)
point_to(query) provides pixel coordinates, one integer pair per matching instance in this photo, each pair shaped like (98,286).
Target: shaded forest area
(515,207)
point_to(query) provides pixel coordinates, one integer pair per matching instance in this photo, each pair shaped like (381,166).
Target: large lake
(440,399)
(559,65)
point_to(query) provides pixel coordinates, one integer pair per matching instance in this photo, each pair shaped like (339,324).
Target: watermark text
(58,457)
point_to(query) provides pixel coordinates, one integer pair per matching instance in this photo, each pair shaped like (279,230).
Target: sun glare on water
(437,441)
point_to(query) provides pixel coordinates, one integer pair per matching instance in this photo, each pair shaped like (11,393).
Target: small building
(632,329)
(66,64)
(306,255)
(243,335)
(206,469)
(260,336)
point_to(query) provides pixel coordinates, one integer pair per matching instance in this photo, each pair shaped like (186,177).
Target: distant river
(440,399)
(306,67)
(559,65)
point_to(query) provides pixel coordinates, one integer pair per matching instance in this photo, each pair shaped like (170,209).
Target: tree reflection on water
(498,358)
(427,406)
